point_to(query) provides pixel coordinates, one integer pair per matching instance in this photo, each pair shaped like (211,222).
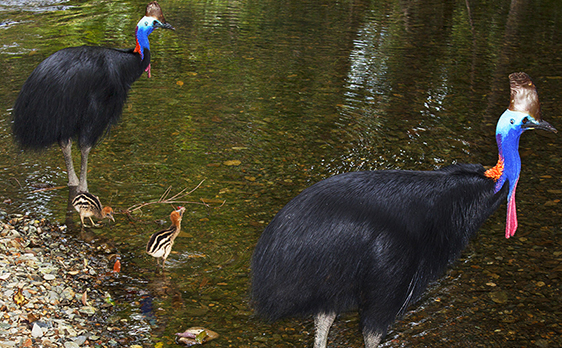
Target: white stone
(36,331)
(79,340)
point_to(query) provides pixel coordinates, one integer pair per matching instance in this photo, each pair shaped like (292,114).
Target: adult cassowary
(373,240)
(77,92)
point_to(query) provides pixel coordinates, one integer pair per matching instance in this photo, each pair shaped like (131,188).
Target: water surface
(260,99)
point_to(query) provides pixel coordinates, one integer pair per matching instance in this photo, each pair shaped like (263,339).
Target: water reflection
(262,99)
(36,6)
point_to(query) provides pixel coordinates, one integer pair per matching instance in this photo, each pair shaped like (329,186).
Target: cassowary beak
(540,124)
(158,24)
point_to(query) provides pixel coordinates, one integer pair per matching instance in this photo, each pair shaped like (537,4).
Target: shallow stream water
(256,100)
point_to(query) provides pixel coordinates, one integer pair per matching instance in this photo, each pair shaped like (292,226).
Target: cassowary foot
(372,339)
(93,225)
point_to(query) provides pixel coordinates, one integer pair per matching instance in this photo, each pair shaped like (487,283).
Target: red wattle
(148,70)
(511,223)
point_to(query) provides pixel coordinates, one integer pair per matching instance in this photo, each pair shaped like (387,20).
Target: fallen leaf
(117,266)
(232,163)
(498,296)
(19,298)
(32,317)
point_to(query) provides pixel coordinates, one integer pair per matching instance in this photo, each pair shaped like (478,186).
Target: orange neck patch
(137,48)
(495,172)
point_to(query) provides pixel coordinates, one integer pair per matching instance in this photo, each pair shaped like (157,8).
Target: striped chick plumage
(88,205)
(161,243)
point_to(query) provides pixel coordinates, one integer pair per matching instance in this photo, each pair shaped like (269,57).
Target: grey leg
(372,339)
(66,147)
(322,323)
(83,185)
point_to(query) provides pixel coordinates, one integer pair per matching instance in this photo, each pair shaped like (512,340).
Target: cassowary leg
(92,221)
(322,323)
(66,147)
(83,185)
(372,339)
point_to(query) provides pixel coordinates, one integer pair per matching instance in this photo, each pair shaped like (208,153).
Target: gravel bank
(52,289)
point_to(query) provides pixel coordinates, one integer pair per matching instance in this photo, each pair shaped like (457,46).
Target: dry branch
(164,199)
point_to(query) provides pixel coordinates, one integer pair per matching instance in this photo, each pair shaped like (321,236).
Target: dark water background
(260,99)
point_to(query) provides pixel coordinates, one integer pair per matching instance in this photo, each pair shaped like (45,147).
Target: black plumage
(344,242)
(75,94)
(373,240)
(78,92)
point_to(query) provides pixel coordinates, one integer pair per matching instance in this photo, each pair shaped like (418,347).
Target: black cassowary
(77,92)
(373,240)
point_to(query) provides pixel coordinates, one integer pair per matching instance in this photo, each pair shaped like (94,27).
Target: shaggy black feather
(76,93)
(369,240)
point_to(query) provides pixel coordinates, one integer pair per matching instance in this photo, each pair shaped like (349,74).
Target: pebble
(51,289)
(49,277)
(36,331)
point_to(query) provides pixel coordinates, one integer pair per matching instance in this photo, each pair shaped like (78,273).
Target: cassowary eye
(525,120)
(154,23)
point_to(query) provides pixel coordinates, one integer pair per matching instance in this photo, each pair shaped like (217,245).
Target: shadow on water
(260,99)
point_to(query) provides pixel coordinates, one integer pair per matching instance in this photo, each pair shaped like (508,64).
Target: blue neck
(144,28)
(508,147)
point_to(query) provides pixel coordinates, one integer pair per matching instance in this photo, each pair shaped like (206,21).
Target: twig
(48,189)
(164,199)
(17,182)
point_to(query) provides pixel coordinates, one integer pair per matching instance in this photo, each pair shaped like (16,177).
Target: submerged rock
(195,335)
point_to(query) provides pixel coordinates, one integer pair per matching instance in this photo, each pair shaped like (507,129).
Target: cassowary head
(152,19)
(523,114)
(107,212)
